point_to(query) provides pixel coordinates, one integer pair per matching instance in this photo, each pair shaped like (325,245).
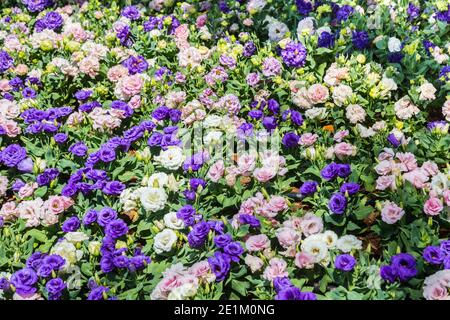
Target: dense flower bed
(229,149)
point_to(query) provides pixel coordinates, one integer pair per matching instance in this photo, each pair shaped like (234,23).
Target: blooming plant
(230,149)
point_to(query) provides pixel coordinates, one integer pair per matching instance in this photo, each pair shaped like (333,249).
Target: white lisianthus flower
(164,241)
(128,198)
(171,159)
(427,91)
(316,247)
(212,121)
(75,237)
(158,180)
(152,199)
(183,292)
(348,242)
(305,25)
(330,238)
(316,113)
(394,45)
(212,137)
(171,221)
(68,251)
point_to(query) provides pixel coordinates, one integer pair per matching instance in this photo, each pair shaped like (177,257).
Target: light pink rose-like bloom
(135,102)
(246,164)
(3,185)
(304,260)
(355,113)
(77,31)
(391,213)
(4,86)
(384,167)
(271,67)
(405,109)
(116,73)
(384,182)
(344,149)
(9,210)
(436,291)
(230,179)
(21,69)
(288,237)
(11,127)
(264,174)
(318,93)
(181,34)
(308,139)
(433,206)
(202,270)
(57,204)
(74,119)
(276,268)
(446,196)
(49,219)
(340,135)
(386,154)
(408,161)
(427,91)
(417,177)
(253,79)
(253,262)
(131,85)
(31,211)
(90,66)
(32,296)
(27,190)
(216,171)
(446,110)
(311,224)
(430,168)
(277,203)
(201,21)
(257,242)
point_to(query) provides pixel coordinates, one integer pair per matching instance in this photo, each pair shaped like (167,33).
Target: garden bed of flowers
(225,149)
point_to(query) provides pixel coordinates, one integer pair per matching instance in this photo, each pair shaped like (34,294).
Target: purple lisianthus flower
(138,262)
(97,293)
(12,155)
(234,250)
(190,195)
(60,138)
(29,93)
(175,115)
(4,284)
(296,118)
(288,293)
(280,283)
(69,190)
(116,228)
(107,154)
(78,149)
(404,265)
(345,262)
(55,261)
(387,273)
(113,188)
(131,12)
(24,280)
(433,255)
(256,114)
(290,140)
(445,247)
(197,236)
(160,113)
(124,35)
(17,185)
(330,171)
(53,20)
(249,49)
(269,123)
(106,215)
(249,219)
(220,265)
(325,40)
(155,139)
(135,64)
(44,270)
(35,260)
(83,94)
(222,240)
(195,183)
(412,11)
(343,170)
(392,139)
(446,262)
(337,203)
(360,39)
(90,217)
(344,12)
(186,213)
(304,6)
(71,224)
(55,287)
(350,187)
(308,188)
(307,296)
(6,61)
(195,162)
(26,165)
(294,54)
(37,5)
